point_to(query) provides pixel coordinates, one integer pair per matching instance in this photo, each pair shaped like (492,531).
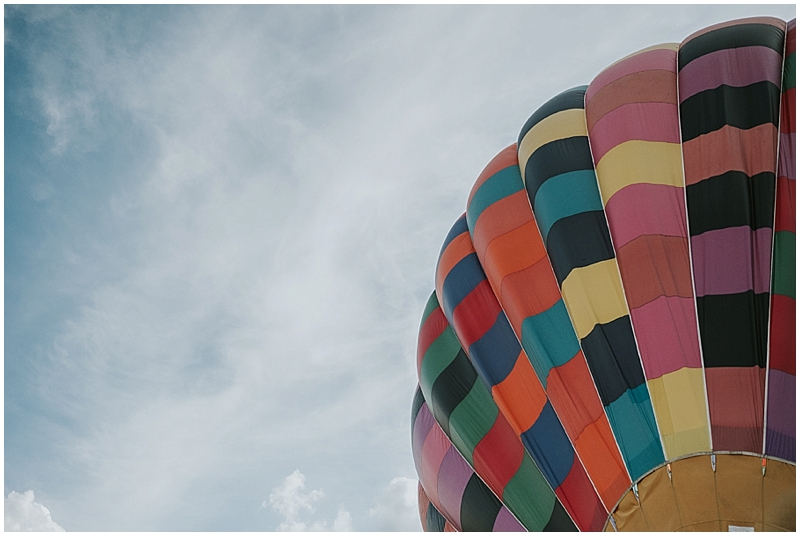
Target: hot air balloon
(611,340)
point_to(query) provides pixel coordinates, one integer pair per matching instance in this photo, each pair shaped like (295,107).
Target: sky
(221,229)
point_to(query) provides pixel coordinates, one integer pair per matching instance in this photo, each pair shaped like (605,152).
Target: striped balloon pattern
(780,425)
(619,293)
(459,493)
(729,83)
(431,518)
(477,430)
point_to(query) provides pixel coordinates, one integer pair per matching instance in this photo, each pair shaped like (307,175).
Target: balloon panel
(468,416)
(432,520)
(729,85)
(632,120)
(580,251)
(781,419)
(511,251)
(453,488)
(492,347)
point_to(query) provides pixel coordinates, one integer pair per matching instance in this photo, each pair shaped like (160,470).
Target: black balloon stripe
(739,35)
(741,107)
(434,519)
(613,359)
(560,521)
(568,100)
(555,158)
(578,240)
(419,400)
(451,387)
(731,338)
(479,507)
(731,200)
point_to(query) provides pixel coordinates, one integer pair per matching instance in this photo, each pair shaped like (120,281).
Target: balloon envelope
(611,341)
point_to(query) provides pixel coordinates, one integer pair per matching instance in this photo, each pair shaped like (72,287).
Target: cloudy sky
(221,227)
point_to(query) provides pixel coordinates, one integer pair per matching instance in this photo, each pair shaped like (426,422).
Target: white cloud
(343,521)
(396,508)
(294,504)
(22,513)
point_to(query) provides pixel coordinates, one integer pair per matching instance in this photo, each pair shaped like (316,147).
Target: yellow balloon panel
(681,393)
(593,295)
(564,124)
(636,162)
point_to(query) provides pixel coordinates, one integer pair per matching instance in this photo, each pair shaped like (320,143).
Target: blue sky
(221,227)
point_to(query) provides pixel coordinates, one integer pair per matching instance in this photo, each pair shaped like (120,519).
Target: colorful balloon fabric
(611,340)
